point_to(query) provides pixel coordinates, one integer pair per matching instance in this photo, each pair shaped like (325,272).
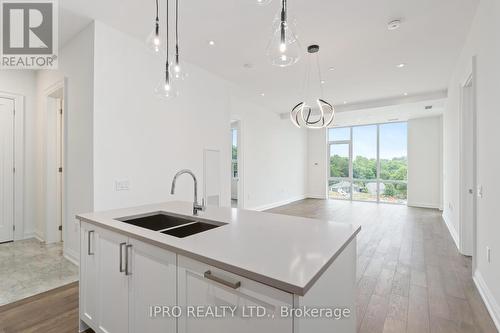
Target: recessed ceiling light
(406,94)
(345,102)
(211,43)
(401,65)
(331,68)
(393,25)
(262,94)
(322,81)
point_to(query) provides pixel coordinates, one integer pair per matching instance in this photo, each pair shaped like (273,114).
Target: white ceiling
(353,36)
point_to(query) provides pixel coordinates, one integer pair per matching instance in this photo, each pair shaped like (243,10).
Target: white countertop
(286,252)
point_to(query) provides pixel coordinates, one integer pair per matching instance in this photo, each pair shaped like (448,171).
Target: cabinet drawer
(208,288)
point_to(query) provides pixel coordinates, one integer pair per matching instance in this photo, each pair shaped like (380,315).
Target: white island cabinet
(201,288)
(120,279)
(249,272)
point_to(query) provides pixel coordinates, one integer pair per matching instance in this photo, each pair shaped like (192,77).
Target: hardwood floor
(410,276)
(54,311)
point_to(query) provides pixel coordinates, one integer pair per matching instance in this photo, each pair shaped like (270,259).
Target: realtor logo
(29,34)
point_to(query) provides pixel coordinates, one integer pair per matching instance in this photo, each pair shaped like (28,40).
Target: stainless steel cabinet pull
(127,272)
(89,252)
(121,257)
(210,276)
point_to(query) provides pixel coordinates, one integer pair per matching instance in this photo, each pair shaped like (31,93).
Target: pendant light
(179,73)
(164,88)
(313,111)
(154,41)
(283,49)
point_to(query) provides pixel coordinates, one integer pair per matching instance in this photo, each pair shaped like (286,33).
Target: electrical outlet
(488,254)
(122,185)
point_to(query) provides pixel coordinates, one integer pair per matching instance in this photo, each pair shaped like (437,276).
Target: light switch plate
(122,185)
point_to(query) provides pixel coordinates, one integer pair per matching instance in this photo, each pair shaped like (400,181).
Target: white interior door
(468,170)
(6,170)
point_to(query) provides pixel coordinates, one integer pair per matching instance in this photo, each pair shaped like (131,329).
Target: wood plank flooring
(410,275)
(54,311)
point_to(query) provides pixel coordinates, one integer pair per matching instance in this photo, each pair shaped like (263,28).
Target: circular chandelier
(313,111)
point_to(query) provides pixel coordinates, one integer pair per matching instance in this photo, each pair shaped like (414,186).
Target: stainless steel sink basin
(156,221)
(190,229)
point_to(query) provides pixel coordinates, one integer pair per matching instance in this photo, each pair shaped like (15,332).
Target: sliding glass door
(340,180)
(368,163)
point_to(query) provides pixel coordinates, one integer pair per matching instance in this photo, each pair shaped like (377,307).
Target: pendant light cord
(167,70)
(319,75)
(177,32)
(283,20)
(157,19)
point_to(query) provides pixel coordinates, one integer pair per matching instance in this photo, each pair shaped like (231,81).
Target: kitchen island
(159,268)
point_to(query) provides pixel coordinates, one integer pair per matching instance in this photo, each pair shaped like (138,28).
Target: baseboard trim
(314,196)
(71,256)
(487,296)
(452,230)
(422,205)
(279,203)
(35,235)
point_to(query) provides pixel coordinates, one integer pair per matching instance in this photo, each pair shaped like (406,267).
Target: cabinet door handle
(121,257)
(127,271)
(234,285)
(89,252)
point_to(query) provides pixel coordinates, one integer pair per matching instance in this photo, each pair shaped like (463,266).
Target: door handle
(127,271)
(89,252)
(234,285)
(121,257)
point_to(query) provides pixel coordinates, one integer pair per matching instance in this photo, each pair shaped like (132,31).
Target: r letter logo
(29,34)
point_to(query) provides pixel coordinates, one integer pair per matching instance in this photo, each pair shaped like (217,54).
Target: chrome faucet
(196,206)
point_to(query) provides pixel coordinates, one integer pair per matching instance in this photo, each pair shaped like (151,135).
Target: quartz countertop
(286,252)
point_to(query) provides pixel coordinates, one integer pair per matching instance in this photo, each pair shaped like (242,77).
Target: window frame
(351,178)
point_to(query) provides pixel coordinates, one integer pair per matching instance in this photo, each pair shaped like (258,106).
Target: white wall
(76,65)
(483,42)
(274,169)
(145,140)
(424,162)
(22,82)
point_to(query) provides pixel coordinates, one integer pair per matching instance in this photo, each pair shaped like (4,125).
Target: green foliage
(395,169)
(365,168)
(339,166)
(389,190)
(235,152)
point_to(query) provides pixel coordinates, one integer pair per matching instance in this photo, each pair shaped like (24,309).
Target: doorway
(236,190)
(468,187)
(6,170)
(54,165)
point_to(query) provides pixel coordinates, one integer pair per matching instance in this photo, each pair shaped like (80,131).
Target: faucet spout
(196,207)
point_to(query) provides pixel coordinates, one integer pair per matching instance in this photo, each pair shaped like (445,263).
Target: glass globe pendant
(165,89)
(313,111)
(154,40)
(283,49)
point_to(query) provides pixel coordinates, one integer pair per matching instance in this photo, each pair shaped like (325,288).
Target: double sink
(170,224)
